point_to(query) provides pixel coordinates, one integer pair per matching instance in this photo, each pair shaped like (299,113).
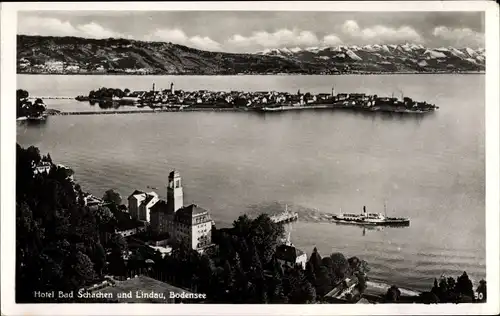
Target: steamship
(370,219)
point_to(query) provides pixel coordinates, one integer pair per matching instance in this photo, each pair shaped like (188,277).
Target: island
(261,101)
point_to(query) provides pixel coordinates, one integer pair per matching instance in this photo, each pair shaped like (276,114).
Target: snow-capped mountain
(405,57)
(125,56)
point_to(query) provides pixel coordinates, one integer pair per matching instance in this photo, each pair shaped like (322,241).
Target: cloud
(280,39)
(56,27)
(380,34)
(332,39)
(179,37)
(98,31)
(350,27)
(459,36)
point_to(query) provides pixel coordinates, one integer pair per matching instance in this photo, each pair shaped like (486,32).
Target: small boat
(36,117)
(370,219)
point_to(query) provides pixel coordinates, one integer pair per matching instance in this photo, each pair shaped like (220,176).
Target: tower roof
(174,173)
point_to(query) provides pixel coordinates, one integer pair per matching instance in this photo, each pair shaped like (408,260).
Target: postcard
(237,158)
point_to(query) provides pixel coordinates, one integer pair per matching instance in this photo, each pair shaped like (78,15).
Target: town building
(164,251)
(54,66)
(191,223)
(140,204)
(289,256)
(92,201)
(42,167)
(345,291)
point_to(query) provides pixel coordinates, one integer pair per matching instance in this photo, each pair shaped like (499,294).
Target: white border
(8,136)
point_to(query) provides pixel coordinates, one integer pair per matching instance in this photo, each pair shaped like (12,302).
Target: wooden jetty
(285,216)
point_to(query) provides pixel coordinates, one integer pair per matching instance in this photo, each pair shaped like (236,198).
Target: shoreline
(53,112)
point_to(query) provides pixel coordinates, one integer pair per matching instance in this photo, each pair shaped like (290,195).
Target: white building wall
(133,204)
(301,260)
(199,231)
(145,210)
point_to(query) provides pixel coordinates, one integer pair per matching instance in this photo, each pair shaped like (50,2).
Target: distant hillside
(47,54)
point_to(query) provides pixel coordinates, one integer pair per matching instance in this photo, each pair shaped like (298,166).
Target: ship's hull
(36,118)
(362,222)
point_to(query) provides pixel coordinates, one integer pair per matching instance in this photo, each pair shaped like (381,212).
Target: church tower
(175,197)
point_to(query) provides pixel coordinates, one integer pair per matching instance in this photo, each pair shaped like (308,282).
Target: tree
(435,288)
(310,275)
(278,296)
(47,158)
(82,268)
(300,291)
(99,258)
(111,196)
(315,261)
(266,235)
(229,275)
(55,235)
(393,294)
(361,283)
(481,291)
(22,94)
(323,281)
(358,266)
(340,265)
(428,298)
(103,215)
(206,274)
(118,243)
(464,285)
(33,154)
(328,263)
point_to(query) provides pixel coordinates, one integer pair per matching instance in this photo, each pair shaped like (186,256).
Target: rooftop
(144,284)
(191,210)
(160,206)
(135,193)
(148,199)
(174,173)
(288,253)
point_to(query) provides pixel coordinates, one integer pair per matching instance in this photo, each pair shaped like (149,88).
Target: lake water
(431,168)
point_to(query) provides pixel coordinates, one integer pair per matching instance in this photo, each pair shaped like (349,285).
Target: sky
(250,31)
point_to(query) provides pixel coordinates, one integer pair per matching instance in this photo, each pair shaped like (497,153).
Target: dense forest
(24,107)
(64,245)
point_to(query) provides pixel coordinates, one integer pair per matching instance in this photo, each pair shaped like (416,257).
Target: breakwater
(56,112)
(345,107)
(51,97)
(52,112)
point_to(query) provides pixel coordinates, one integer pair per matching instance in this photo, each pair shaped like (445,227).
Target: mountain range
(48,54)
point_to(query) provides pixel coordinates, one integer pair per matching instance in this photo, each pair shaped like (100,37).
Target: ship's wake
(305,214)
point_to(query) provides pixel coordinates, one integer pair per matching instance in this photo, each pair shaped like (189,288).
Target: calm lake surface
(430,168)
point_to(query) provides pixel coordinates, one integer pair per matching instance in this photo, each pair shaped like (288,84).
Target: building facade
(289,256)
(140,204)
(191,223)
